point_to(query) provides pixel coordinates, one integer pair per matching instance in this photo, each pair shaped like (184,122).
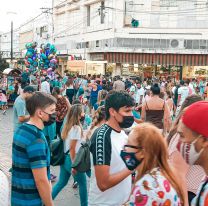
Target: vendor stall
(9,78)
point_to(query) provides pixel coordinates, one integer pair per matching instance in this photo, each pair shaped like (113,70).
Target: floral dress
(154,189)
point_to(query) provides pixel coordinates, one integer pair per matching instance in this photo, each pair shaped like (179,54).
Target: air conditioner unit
(177,44)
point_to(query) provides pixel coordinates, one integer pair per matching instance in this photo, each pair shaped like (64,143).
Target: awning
(158,59)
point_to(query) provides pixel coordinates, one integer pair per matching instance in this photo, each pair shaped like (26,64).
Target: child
(3,102)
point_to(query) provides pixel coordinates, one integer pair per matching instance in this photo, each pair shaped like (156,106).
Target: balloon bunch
(31,57)
(48,57)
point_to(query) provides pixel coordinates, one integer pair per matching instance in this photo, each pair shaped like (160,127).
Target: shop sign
(74,57)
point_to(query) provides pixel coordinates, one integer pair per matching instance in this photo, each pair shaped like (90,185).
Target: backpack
(82,161)
(57,152)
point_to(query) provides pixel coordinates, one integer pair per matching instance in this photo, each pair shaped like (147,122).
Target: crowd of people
(147,140)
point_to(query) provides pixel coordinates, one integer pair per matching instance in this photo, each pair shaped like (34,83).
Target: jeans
(58,128)
(80,178)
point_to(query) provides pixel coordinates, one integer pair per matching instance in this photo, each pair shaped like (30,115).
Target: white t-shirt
(4,189)
(45,87)
(140,92)
(133,91)
(75,133)
(173,89)
(184,92)
(191,86)
(106,145)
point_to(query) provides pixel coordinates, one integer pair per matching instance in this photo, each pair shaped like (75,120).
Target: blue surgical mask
(130,160)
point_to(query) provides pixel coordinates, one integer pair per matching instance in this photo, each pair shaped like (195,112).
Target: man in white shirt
(110,184)
(183,92)
(191,86)
(139,94)
(45,86)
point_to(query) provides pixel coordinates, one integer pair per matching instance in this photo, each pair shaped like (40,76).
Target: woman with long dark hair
(156,110)
(70,90)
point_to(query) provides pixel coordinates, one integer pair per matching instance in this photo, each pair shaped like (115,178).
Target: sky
(24,9)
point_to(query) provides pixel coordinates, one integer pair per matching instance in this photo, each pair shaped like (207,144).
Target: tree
(3,64)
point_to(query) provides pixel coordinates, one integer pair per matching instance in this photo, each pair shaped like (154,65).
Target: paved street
(68,197)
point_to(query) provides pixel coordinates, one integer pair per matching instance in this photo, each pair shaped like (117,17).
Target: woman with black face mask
(146,153)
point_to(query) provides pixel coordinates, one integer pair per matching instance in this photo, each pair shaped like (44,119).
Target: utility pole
(102,13)
(0,43)
(11,41)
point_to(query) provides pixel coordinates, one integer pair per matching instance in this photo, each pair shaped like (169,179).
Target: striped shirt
(29,151)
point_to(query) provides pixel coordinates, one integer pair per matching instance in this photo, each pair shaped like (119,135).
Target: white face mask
(188,151)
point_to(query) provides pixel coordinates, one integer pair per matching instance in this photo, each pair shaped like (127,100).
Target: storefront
(153,64)
(76,66)
(198,72)
(95,67)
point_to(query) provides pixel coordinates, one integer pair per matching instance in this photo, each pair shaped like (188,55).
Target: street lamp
(11,13)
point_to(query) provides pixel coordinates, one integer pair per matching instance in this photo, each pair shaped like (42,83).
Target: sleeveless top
(61,109)
(155,116)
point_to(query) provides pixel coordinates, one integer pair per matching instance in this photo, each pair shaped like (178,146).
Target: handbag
(57,152)
(82,161)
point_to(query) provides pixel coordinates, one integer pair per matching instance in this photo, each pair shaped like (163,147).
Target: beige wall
(25,38)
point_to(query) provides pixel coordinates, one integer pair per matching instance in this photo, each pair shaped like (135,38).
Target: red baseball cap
(196,118)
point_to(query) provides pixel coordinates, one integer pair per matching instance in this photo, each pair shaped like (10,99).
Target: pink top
(3,98)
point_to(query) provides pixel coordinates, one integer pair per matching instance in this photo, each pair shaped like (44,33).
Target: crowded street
(104,103)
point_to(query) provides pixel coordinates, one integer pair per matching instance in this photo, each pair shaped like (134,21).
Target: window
(168,3)
(87,44)
(97,43)
(88,15)
(41,31)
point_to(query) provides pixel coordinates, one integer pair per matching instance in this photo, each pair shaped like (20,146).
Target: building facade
(168,34)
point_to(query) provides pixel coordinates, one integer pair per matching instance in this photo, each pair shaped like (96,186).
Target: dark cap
(182,82)
(29,89)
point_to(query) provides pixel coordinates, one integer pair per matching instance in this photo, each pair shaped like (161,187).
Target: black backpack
(82,161)
(57,152)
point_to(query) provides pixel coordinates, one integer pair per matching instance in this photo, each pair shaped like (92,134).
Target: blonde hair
(73,118)
(155,151)
(99,97)
(97,119)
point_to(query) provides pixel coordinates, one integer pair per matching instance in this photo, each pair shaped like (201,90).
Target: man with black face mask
(31,155)
(110,183)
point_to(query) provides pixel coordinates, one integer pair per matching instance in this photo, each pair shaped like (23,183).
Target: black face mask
(82,118)
(130,160)
(127,122)
(52,119)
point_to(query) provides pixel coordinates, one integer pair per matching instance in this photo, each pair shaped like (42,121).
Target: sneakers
(75,185)
(4,112)
(53,178)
